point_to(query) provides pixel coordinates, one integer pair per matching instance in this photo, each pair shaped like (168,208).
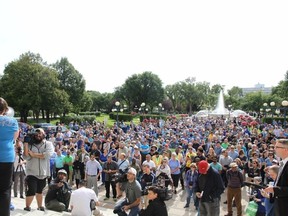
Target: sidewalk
(174,206)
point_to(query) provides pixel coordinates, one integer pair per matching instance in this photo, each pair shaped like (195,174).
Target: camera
(119,177)
(28,138)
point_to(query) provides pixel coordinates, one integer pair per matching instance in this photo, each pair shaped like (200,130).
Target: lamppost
(117,104)
(159,108)
(229,109)
(272,104)
(142,108)
(265,109)
(285,105)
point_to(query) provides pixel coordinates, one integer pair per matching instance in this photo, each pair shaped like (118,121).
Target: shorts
(34,185)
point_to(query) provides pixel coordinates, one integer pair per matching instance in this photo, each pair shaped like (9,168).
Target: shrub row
(67,119)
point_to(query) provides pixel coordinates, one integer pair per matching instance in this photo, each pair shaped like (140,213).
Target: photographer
(37,154)
(157,206)
(110,167)
(147,179)
(123,165)
(59,192)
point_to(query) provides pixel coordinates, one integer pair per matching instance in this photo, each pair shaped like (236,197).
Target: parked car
(42,125)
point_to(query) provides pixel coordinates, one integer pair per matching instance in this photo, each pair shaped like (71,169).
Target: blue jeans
(191,193)
(118,209)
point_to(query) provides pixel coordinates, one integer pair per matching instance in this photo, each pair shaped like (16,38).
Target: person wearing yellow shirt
(157,159)
(190,153)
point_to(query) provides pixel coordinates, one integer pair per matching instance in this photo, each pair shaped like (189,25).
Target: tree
(20,83)
(235,97)
(145,87)
(30,84)
(72,82)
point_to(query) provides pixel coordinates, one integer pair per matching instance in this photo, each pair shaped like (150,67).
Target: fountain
(220,110)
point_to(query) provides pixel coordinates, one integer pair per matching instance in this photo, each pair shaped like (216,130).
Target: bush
(121,116)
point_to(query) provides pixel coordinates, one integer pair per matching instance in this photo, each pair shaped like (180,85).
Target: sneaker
(22,197)
(27,208)
(106,198)
(41,208)
(12,207)
(225,202)
(115,199)
(186,206)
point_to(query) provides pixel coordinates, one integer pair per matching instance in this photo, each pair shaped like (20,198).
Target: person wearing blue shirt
(9,132)
(175,166)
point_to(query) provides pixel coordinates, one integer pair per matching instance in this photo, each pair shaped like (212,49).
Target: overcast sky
(232,43)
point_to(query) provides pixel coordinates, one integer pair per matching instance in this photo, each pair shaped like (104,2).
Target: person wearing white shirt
(80,201)
(149,162)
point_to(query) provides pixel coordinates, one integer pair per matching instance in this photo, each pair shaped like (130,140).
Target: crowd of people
(187,152)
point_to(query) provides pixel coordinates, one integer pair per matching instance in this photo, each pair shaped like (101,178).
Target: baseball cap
(132,171)
(203,166)
(62,171)
(40,130)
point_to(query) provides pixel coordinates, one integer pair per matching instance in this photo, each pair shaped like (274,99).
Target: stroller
(162,182)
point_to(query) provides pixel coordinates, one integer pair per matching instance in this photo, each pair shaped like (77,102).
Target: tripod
(19,173)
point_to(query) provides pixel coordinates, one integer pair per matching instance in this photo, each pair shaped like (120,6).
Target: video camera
(251,184)
(120,177)
(29,137)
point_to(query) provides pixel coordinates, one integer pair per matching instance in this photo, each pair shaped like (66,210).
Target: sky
(231,43)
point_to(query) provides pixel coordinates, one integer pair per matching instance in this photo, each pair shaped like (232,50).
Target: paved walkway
(174,206)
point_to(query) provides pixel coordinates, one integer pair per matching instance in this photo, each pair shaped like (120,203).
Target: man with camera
(133,196)
(59,192)
(37,154)
(147,179)
(123,165)
(110,168)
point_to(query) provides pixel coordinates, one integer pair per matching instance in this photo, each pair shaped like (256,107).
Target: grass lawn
(110,122)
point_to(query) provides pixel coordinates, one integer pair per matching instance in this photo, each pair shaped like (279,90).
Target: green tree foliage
(72,82)
(281,90)
(145,87)
(234,98)
(30,84)
(101,102)
(254,101)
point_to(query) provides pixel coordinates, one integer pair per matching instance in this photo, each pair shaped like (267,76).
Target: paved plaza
(174,206)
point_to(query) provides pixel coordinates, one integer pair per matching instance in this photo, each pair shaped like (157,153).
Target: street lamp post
(285,105)
(142,108)
(229,109)
(265,110)
(117,104)
(160,108)
(272,104)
